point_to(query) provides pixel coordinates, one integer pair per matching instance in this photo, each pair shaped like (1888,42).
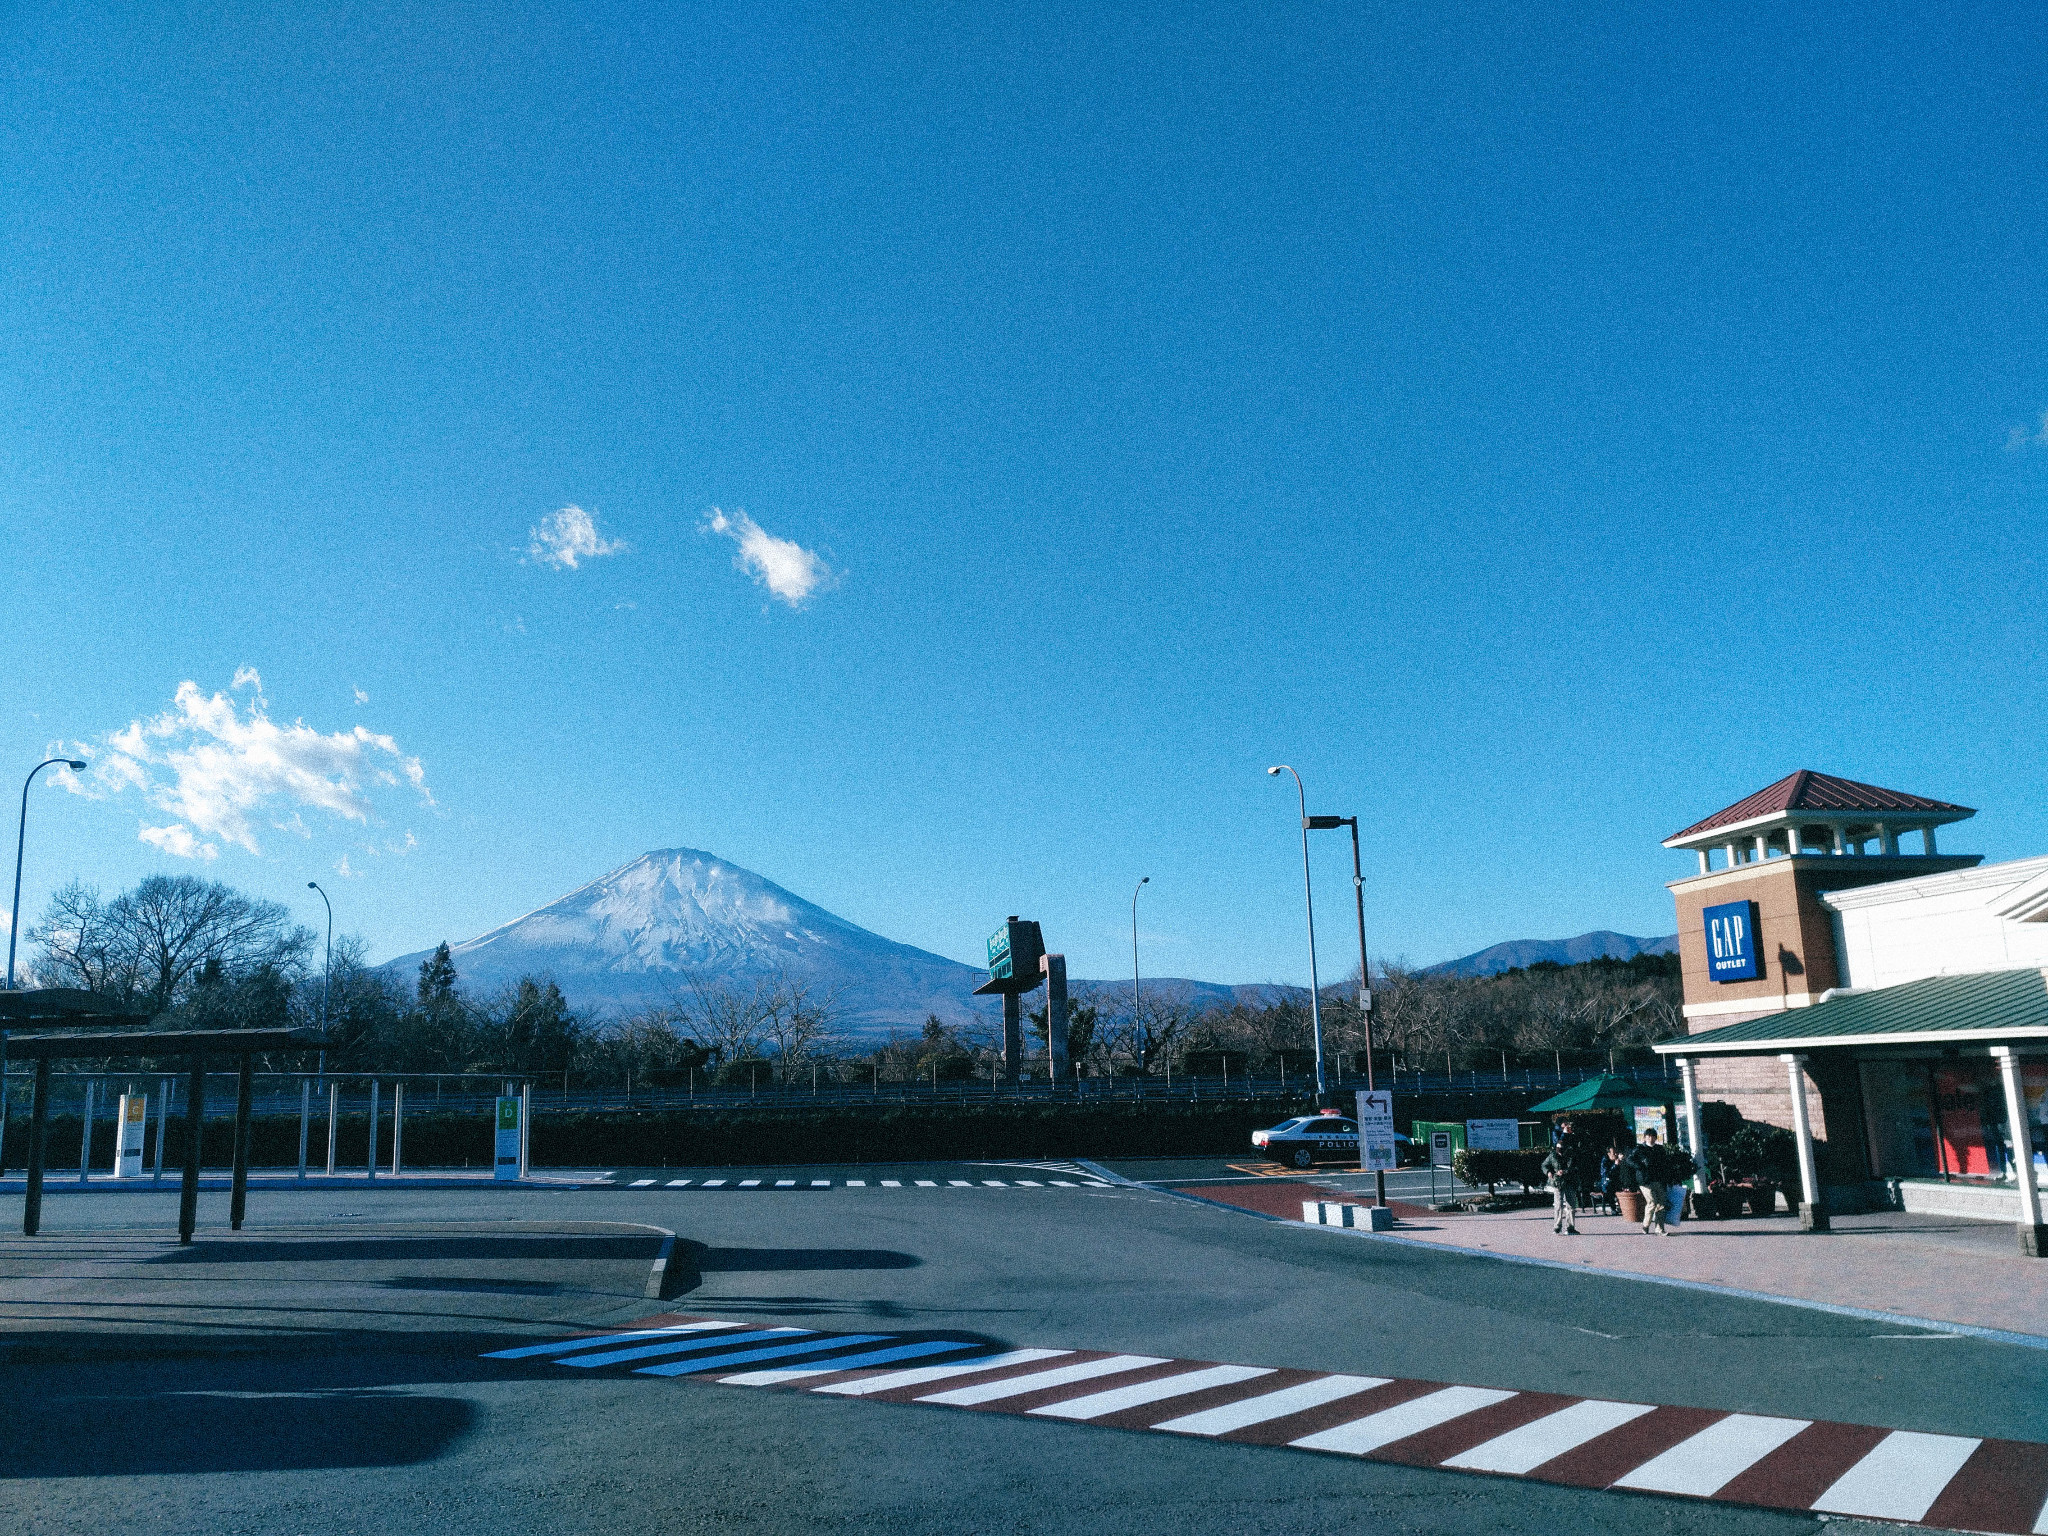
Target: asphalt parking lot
(322,1371)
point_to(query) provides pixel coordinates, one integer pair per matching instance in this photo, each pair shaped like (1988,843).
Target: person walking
(1645,1169)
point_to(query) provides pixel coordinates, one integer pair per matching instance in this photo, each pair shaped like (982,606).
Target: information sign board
(1731,942)
(1493,1135)
(506,1155)
(1440,1149)
(1651,1117)
(1376,1146)
(999,953)
(128,1128)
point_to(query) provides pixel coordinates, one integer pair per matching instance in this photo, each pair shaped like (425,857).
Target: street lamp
(1330,824)
(1136,1012)
(20,836)
(1315,1005)
(326,979)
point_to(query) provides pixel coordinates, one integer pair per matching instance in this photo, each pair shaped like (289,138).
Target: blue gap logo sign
(1731,942)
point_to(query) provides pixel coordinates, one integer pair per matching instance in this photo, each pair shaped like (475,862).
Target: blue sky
(1539,429)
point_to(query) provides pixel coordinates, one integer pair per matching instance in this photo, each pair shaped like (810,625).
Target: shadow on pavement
(163,1432)
(540,1246)
(693,1261)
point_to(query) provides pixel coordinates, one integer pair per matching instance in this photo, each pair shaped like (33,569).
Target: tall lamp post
(1315,1004)
(1137,1013)
(326,978)
(20,837)
(1330,824)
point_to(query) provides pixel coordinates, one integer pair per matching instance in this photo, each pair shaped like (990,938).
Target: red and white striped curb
(1946,1481)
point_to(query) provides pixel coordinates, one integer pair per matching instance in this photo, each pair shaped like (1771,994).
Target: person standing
(1564,1195)
(1646,1171)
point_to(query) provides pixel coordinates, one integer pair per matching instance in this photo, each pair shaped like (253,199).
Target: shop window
(1898,1110)
(1970,1106)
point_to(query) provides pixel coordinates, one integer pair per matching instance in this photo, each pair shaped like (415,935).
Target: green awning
(1981,1008)
(1602,1092)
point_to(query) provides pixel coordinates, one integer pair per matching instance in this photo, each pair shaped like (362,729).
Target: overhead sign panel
(1731,942)
(1014,953)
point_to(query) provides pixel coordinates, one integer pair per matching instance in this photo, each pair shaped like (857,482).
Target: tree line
(201,954)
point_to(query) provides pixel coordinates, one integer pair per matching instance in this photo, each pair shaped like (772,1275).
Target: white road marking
(785,1183)
(639,1183)
(560,1346)
(1520,1450)
(821,1183)
(927,1183)
(1096,1404)
(925,1373)
(1272,1405)
(1707,1462)
(960,1183)
(995,1183)
(1064,1184)
(749,1183)
(1398,1423)
(711,1184)
(677,1183)
(1901,1477)
(1029,1184)
(1038,1381)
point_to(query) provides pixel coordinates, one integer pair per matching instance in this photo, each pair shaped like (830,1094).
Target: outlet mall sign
(1731,941)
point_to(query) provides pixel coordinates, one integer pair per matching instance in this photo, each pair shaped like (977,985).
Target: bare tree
(150,943)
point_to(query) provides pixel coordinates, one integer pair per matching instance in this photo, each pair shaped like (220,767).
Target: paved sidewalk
(1954,1271)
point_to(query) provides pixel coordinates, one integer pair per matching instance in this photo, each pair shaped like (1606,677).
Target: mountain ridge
(1512,953)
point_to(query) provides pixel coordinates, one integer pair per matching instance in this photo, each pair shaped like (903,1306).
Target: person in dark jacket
(1645,1170)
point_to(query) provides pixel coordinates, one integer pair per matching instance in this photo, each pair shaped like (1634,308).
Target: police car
(1310,1139)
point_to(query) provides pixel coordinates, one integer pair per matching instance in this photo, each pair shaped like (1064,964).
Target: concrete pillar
(1840,846)
(2033,1236)
(1729,850)
(1763,846)
(1813,1216)
(1887,841)
(1694,1134)
(1927,841)
(1055,969)
(1703,860)
(1013,1035)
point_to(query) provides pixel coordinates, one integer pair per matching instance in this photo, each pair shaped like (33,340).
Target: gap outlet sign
(1731,942)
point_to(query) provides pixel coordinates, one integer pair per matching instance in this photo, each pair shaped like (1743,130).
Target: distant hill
(1574,951)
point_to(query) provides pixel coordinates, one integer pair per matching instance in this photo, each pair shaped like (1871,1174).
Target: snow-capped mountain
(637,934)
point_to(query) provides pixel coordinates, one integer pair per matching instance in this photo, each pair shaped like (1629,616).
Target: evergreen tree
(437,979)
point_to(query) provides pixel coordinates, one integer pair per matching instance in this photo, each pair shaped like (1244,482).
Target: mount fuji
(636,936)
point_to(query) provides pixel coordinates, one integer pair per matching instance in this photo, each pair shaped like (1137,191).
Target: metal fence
(474,1093)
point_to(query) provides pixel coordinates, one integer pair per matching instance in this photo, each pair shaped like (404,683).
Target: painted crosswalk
(1906,1476)
(619,1181)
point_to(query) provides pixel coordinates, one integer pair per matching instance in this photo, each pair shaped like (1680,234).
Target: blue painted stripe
(885,1356)
(748,1356)
(680,1346)
(563,1346)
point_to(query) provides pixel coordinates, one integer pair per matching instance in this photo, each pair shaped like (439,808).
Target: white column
(1840,846)
(1887,840)
(1763,846)
(1703,860)
(1927,841)
(1692,1124)
(2022,1149)
(1812,1217)
(1732,859)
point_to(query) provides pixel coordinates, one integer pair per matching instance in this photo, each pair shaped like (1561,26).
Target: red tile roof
(1810,791)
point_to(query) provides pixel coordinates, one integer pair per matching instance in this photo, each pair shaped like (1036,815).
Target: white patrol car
(1310,1139)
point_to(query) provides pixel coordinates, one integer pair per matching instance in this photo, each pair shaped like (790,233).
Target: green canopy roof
(1603,1092)
(1977,1008)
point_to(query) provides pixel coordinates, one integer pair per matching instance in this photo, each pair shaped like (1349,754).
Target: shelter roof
(1603,1092)
(1819,793)
(1981,1008)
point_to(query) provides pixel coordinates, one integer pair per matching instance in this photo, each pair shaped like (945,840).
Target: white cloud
(2020,437)
(214,765)
(247,677)
(361,697)
(341,868)
(783,566)
(566,538)
(177,839)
